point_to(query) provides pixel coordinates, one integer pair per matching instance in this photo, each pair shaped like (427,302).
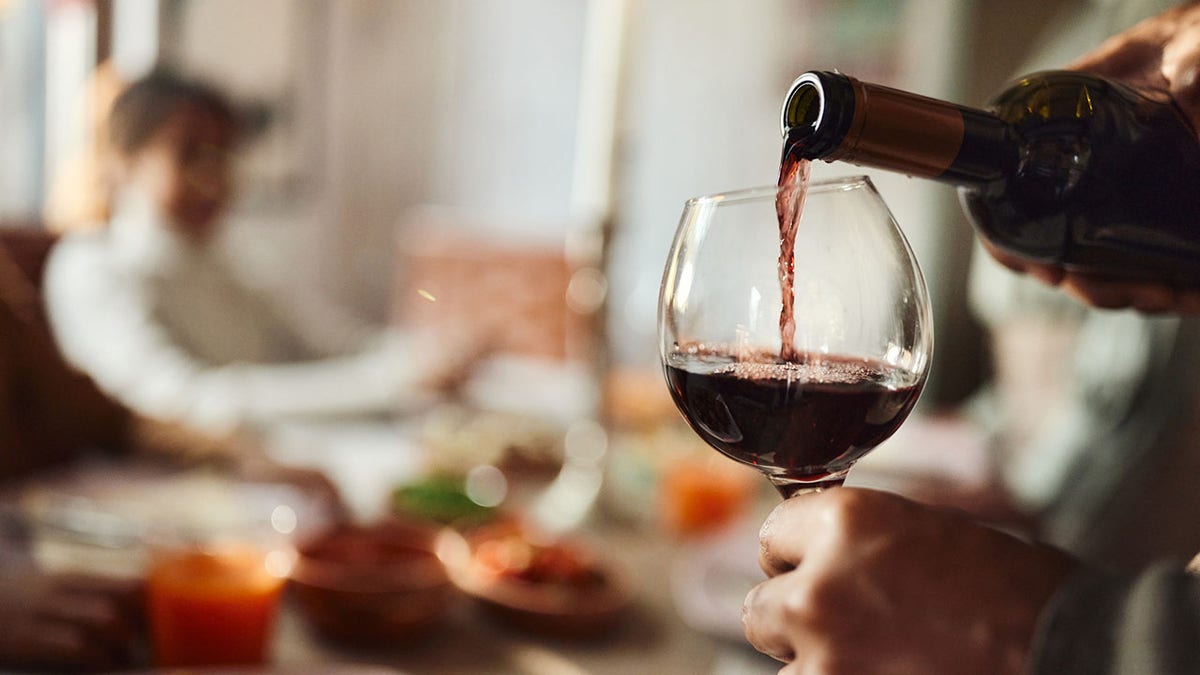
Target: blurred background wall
(537,118)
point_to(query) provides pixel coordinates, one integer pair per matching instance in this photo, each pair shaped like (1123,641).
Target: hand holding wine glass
(869,582)
(805,407)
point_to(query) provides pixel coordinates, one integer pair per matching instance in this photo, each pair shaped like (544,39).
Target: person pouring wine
(868,582)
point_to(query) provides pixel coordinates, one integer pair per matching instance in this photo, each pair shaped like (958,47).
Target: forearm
(231,398)
(363,383)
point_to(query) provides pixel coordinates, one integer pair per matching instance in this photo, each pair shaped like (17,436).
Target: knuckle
(825,599)
(810,605)
(850,511)
(797,606)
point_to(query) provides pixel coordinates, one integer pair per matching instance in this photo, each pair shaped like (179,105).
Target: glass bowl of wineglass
(800,395)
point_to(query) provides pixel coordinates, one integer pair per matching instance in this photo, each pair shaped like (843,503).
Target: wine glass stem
(791,489)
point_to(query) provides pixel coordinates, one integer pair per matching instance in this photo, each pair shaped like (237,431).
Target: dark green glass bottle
(1062,167)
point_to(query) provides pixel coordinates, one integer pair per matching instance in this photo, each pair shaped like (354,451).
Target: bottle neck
(833,117)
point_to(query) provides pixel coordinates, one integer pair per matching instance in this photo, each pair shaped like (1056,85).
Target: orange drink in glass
(214,606)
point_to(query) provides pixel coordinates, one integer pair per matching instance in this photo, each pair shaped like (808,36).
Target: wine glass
(862,340)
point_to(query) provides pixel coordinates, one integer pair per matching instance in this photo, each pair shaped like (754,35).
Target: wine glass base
(791,488)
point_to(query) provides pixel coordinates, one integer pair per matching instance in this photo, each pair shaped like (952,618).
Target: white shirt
(164,325)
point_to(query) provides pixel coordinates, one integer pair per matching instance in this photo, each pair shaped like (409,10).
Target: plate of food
(548,585)
(372,585)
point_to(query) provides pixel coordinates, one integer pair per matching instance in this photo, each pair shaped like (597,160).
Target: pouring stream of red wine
(794,173)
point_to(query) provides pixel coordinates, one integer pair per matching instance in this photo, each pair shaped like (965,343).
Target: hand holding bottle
(1160,54)
(1103,292)
(1080,179)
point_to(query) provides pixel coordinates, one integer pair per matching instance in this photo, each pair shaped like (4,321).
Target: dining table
(684,590)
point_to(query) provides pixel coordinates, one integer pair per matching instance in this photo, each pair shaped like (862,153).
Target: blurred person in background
(868,582)
(152,309)
(52,417)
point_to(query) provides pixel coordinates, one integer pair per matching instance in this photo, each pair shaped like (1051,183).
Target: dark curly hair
(144,106)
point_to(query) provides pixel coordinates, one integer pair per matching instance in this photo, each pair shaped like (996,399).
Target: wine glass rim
(838,184)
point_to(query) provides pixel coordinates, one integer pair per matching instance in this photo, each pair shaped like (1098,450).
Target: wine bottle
(1063,167)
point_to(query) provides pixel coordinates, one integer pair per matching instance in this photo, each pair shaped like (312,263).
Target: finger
(1130,58)
(1187,302)
(1010,261)
(764,621)
(1134,55)
(1096,291)
(1153,299)
(1050,275)
(1181,65)
(1117,294)
(779,554)
(787,533)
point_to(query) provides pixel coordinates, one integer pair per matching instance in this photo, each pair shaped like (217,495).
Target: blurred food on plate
(546,585)
(373,585)
(440,498)
(457,439)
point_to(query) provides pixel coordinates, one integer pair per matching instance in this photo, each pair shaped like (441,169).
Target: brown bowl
(372,585)
(569,592)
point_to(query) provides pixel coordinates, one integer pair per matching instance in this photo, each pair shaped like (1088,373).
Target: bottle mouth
(804,104)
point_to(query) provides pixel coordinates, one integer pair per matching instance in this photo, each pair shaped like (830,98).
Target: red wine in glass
(803,422)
